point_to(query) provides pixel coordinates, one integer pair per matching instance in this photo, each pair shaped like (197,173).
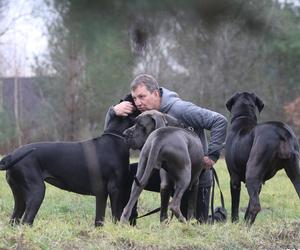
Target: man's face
(144,99)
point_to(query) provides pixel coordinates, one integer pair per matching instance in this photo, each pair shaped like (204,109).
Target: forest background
(206,50)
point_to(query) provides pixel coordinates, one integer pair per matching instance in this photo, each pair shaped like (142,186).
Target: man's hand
(123,108)
(207,162)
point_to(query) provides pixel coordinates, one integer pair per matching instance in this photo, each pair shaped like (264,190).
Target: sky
(27,35)
(295,2)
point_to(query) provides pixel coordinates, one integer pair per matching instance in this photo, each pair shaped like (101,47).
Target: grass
(65,221)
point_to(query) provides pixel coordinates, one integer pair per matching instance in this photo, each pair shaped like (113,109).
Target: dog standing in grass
(178,152)
(97,167)
(255,152)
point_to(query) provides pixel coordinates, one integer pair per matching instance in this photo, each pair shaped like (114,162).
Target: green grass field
(65,221)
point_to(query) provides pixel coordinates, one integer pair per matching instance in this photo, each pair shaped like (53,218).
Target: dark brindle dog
(255,152)
(97,167)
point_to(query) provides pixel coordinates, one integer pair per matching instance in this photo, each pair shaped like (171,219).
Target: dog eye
(143,128)
(251,105)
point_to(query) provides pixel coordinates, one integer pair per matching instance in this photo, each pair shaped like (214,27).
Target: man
(147,95)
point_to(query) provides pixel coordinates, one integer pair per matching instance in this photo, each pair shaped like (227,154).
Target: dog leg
(16,183)
(101,199)
(292,170)
(134,215)
(247,211)
(296,183)
(181,186)
(114,191)
(19,206)
(253,188)
(192,200)
(34,199)
(175,205)
(135,193)
(165,193)
(235,190)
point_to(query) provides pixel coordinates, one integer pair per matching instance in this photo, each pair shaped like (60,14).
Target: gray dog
(180,148)
(255,152)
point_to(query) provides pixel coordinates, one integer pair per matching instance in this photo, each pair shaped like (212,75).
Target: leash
(216,179)
(156,210)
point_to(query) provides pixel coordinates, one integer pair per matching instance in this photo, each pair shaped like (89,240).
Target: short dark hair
(148,80)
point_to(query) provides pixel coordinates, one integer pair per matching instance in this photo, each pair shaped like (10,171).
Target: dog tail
(285,151)
(8,162)
(149,159)
(288,146)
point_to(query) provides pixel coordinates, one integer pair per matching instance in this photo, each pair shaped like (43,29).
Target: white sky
(26,37)
(295,2)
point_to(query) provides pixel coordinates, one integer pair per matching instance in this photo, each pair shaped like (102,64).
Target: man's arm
(109,115)
(209,120)
(124,108)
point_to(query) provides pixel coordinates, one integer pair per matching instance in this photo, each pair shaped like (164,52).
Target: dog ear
(129,98)
(259,103)
(231,101)
(160,120)
(171,121)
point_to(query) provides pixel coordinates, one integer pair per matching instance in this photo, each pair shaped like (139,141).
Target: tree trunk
(17,110)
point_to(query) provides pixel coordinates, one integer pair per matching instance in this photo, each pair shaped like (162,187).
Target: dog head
(119,123)
(244,104)
(129,98)
(145,124)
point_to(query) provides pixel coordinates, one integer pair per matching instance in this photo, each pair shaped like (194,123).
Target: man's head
(145,92)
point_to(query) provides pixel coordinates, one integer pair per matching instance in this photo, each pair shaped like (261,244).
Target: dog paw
(124,220)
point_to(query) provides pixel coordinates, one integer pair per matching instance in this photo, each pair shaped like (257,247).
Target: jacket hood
(168,98)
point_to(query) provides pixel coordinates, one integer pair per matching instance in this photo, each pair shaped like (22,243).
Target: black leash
(149,213)
(216,179)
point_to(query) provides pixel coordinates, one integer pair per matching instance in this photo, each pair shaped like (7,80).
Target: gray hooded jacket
(200,119)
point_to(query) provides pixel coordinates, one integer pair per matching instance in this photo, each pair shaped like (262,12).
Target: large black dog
(255,152)
(97,167)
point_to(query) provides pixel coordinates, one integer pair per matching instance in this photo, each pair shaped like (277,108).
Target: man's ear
(157,92)
(231,101)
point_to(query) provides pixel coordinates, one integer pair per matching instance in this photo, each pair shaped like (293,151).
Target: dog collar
(242,117)
(114,134)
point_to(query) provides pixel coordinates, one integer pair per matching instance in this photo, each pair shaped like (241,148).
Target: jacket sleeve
(200,119)
(110,114)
